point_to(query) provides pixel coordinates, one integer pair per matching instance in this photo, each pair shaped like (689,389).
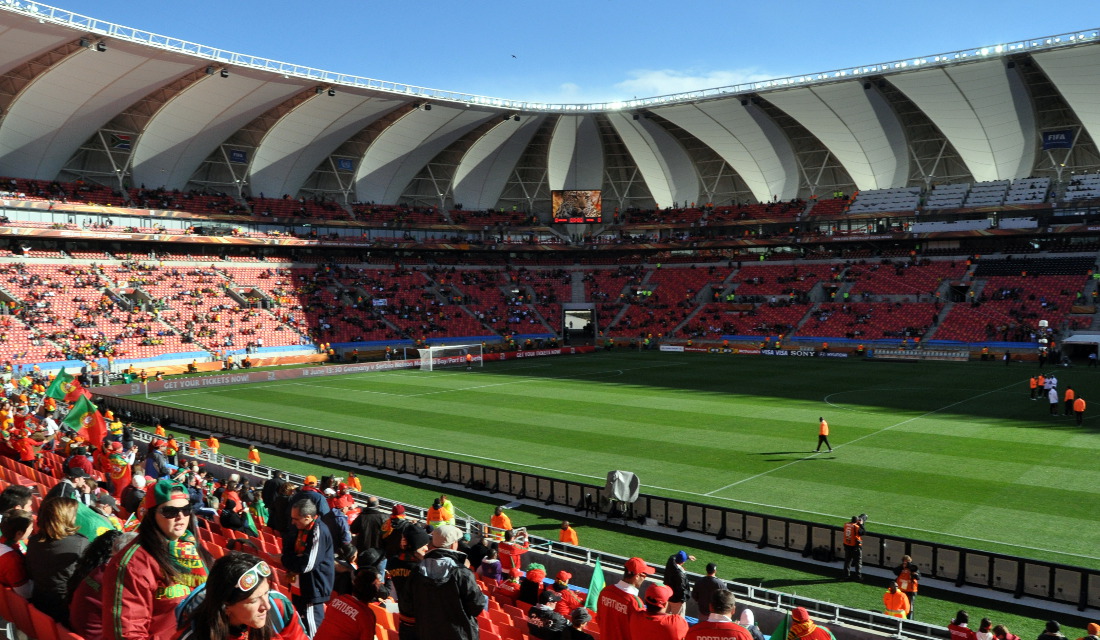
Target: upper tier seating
(987,194)
(1028,191)
(895,199)
(947,196)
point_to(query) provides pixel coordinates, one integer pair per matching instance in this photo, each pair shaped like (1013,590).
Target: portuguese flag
(84,418)
(58,389)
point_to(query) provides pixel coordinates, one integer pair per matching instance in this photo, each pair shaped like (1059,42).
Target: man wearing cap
(543,620)
(415,541)
(107,506)
(309,491)
(655,623)
(442,595)
(803,628)
(1093,630)
(393,529)
(719,622)
(677,580)
(74,485)
(569,599)
(579,619)
(309,555)
(619,601)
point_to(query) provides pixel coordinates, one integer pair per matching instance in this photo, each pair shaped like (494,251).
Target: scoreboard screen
(577,207)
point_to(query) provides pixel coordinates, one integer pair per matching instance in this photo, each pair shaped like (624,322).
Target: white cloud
(646,83)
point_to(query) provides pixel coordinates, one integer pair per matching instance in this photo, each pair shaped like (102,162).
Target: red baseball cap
(638,566)
(658,595)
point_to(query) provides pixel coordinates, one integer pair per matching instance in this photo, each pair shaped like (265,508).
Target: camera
(863,517)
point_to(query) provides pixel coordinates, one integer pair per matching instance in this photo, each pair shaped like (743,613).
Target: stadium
(507,301)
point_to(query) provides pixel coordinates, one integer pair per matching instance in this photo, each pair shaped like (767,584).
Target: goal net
(450,357)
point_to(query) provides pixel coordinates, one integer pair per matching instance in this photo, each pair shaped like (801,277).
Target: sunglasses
(249,579)
(171,513)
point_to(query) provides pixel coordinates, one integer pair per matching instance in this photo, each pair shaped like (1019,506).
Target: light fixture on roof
(224,73)
(86,43)
(210,71)
(319,90)
(331,91)
(101,46)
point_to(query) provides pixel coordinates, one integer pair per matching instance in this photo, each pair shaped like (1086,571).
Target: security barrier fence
(963,566)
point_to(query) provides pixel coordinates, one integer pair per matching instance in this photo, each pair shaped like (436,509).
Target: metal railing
(1050,581)
(210,54)
(861,623)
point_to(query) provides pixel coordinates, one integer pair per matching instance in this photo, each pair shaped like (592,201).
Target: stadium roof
(89,99)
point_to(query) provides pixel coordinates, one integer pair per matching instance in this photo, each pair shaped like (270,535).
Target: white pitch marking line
(863,437)
(680,491)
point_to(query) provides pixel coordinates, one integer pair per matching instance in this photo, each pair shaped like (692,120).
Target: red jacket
(614,611)
(661,626)
(347,618)
(138,603)
(707,629)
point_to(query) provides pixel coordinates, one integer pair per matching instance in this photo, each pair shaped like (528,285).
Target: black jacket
(367,529)
(677,580)
(444,597)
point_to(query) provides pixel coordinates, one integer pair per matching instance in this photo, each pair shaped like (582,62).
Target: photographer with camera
(853,546)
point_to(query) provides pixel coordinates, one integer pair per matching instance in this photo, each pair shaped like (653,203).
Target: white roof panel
(857,125)
(576,154)
(665,165)
(483,173)
(406,146)
(303,138)
(747,139)
(984,110)
(1076,74)
(195,121)
(62,107)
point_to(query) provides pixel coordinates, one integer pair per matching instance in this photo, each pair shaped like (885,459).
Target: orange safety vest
(906,582)
(1079,405)
(1033,383)
(852,537)
(1042,380)
(254,456)
(823,430)
(213,443)
(897,604)
(1069,395)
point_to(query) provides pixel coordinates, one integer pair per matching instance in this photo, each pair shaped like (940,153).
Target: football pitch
(947,452)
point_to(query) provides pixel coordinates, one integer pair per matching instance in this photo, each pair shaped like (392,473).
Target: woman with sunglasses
(149,577)
(238,602)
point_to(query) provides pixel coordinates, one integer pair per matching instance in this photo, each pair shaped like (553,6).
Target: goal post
(450,356)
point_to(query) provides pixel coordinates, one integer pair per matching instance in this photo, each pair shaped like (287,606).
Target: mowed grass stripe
(923,447)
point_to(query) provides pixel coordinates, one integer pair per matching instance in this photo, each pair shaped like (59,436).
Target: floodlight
(224,73)
(331,91)
(101,46)
(516,118)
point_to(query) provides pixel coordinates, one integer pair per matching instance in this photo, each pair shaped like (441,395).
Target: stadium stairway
(931,333)
(578,289)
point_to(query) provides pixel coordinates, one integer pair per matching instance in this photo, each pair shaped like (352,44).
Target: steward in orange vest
(1079,409)
(896,604)
(1033,384)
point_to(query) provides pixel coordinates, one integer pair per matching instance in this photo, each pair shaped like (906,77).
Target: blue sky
(594,50)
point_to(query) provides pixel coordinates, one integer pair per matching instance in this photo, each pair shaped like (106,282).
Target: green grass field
(945,452)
